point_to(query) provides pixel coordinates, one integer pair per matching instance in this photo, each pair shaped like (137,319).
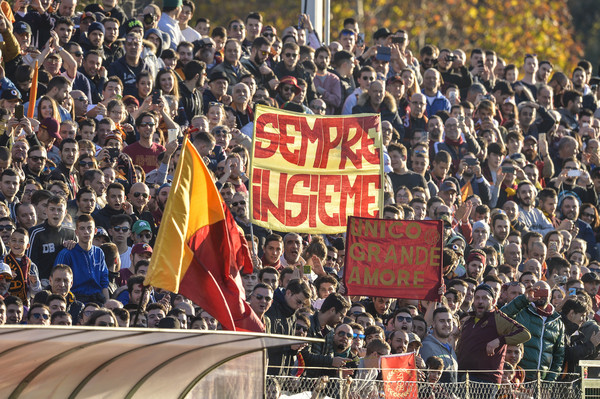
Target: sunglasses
(403,318)
(345,334)
(301,328)
(287,88)
(7,227)
(238,203)
(105,324)
(119,229)
(369,78)
(291,55)
(37,159)
(138,194)
(78,54)
(320,109)
(589,215)
(268,34)
(5,277)
(146,235)
(261,297)
(133,40)
(38,316)
(88,164)
(331,258)
(361,336)
(151,124)
(215,104)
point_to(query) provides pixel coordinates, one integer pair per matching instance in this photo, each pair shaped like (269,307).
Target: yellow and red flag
(200,250)
(399,374)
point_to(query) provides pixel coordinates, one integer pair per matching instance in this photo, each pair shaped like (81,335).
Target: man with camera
(460,77)
(545,351)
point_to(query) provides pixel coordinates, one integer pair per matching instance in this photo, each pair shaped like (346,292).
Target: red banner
(310,172)
(394,258)
(399,376)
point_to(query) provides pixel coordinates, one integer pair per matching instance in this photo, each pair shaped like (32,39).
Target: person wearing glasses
(260,301)
(256,63)
(144,152)
(39,314)
(139,197)
(290,67)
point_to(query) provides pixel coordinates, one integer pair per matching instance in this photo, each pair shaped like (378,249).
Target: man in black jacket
(46,240)
(282,316)
(322,323)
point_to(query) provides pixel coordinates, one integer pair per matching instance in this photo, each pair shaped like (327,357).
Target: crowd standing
(506,155)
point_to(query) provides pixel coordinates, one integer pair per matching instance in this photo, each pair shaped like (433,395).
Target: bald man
(545,351)
(80,100)
(139,196)
(431,88)
(377,100)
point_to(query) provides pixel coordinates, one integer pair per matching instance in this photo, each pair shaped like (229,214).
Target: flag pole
(33,91)
(139,308)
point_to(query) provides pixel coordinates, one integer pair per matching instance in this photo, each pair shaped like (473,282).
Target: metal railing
(363,384)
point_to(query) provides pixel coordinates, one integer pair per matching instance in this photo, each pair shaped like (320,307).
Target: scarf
(456,142)
(276,265)
(546,312)
(20,270)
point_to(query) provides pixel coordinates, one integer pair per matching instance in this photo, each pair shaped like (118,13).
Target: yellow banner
(310,172)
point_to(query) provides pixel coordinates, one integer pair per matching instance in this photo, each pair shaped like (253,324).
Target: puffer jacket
(545,351)
(283,321)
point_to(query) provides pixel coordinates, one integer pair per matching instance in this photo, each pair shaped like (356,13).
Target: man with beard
(326,83)
(287,89)
(256,63)
(534,119)
(438,344)
(545,350)
(292,247)
(471,178)
(569,209)
(398,341)
(36,160)
(542,158)
(322,323)
(260,301)
(500,230)
(484,336)
(528,214)
(69,150)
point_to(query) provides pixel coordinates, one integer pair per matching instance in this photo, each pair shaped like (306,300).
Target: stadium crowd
(506,155)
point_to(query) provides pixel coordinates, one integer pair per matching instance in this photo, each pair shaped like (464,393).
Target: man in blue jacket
(431,88)
(90,273)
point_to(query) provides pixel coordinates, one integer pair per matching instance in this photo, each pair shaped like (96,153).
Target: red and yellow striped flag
(200,250)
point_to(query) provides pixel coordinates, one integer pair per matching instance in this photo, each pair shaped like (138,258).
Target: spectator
(546,350)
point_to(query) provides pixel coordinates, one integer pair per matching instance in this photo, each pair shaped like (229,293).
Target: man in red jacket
(484,336)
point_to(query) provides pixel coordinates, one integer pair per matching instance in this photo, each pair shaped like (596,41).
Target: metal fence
(358,387)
